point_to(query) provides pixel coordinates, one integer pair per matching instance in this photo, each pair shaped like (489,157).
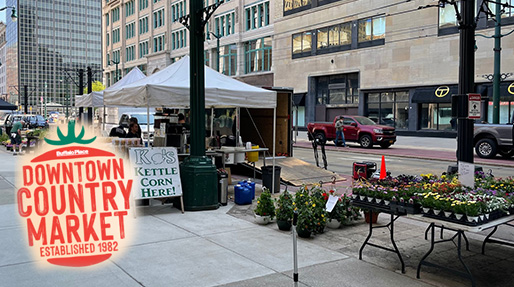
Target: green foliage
(265,205)
(311,209)
(285,209)
(4,137)
(97,87)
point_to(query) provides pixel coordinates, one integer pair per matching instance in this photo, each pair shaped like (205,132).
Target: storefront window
(338,89)
(506,112)
(436,116)
(389,108)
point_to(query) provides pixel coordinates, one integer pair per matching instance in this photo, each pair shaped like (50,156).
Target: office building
(395,62)
(3,42)
(148,34)
(53,40)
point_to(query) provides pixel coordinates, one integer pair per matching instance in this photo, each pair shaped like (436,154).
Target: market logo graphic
(74,202)
(510,89)
(442,91)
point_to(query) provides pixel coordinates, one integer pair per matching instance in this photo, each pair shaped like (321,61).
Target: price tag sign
(474,106)
(331,202)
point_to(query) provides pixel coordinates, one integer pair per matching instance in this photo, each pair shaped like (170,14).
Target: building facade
(47,46)
(3,42)
(392,61)
(148,34)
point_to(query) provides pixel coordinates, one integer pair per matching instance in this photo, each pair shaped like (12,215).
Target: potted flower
(265,210)
(472,211)
(337,215)
(284,211)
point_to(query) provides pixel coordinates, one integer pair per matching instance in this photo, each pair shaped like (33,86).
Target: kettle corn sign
(74,202)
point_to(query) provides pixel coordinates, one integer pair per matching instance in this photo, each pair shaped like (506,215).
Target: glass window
(333,35)
(371,29)
(258,55)
(436,116)
(448,16)
(322,38)
(295,4)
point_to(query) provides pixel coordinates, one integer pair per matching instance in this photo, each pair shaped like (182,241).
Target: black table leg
(432,243)
(369,234)
(487,238)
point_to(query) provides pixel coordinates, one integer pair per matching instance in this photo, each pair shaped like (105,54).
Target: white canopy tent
(96,99)
(170,87)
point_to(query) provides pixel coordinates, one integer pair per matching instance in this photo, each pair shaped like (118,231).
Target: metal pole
(497,57)
(466,80)
(295,250)
(26,96)
(218,53)
(89,91)
(81,91)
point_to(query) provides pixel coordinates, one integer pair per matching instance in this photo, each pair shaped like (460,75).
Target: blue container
(251,185)
(242,195)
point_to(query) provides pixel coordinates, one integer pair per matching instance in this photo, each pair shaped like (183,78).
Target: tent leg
(274,140)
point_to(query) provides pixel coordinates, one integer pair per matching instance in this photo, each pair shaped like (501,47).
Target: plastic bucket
(254,155)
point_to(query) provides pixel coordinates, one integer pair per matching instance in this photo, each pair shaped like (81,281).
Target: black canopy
(6,106)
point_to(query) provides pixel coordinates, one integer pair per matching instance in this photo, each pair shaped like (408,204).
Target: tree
(97,86)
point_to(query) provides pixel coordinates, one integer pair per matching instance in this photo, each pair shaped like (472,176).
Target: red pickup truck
(356,129)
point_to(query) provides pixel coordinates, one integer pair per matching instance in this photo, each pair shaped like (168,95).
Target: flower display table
(377,208)
(459,230)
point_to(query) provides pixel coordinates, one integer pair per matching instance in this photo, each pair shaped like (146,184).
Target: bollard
(295,254)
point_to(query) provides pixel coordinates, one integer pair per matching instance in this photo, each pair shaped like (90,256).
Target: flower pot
(362,197)
(437,211)
(458,216)
(263,220)
(284,225)
(472,218)
(481,217)
(333,223)
(370,199)
(487,216)
(426,209)
(373,219)
(448,213)
(354,196)
(303,233)
(387,202)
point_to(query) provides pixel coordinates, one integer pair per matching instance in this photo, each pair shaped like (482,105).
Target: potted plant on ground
(284,211)
(265,210)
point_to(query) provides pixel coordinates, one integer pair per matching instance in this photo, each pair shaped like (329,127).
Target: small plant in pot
(284,211)
(265,210)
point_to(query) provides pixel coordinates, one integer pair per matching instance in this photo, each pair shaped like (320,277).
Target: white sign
(331,202)
(474,106)
(467,174)
(156,172)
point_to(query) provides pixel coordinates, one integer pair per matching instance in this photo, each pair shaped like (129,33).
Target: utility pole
(496,73)
(198,194)
(89,91)
(81,90)
(26,96)
(466,81)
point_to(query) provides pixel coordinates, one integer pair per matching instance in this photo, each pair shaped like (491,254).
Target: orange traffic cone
(383,172)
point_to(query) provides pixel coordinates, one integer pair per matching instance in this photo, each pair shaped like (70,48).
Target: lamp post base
(199,183)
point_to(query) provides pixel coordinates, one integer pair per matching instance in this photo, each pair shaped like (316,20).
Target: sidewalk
(224,247)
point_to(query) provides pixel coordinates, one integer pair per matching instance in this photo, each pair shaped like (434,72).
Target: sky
(2,14)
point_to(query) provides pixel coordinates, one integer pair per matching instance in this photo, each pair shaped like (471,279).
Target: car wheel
(365,141)
(506,154)
(486,148)
(385,145)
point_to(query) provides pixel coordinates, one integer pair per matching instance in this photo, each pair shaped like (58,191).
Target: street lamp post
(116,63)
(217,36)
(198,194)
(14,17)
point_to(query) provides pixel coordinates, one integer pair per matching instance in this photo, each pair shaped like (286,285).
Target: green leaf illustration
(70,138)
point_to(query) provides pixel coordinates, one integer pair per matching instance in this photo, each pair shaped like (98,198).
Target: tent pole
(212,121)
(238,126)
(148,123)
(103,121)
(274,140)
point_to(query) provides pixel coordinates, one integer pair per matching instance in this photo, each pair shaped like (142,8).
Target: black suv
(31,121)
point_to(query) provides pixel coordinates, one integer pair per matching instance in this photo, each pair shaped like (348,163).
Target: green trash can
(267,178)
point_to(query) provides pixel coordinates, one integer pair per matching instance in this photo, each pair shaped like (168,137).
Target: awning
(506,91)
(299,99)
(439,94)
(6,106)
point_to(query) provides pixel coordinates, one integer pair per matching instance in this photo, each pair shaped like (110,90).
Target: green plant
(3,138)
(285,209)
(472,208)
(265,205)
